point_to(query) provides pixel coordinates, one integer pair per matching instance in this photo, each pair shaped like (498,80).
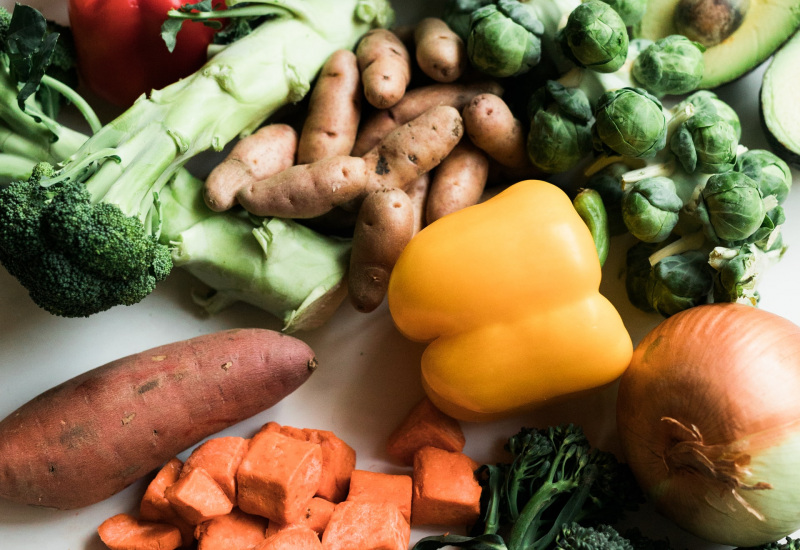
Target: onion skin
(708,414)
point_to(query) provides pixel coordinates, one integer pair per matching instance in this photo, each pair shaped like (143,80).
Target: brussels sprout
(650,209)
(705,101)
(680,282)
(672,65)
(630,11)
(595,37)
(735,277)
(630,122)
(560,135)
(731,207)
(504,39)
(608,182)
(706,143)
(768,234)
(457,15)
(768,170)
(637,274)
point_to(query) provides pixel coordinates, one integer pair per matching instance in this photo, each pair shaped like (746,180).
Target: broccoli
(788,544)
(555,478)
(86,238)
(602,537)
(76,253)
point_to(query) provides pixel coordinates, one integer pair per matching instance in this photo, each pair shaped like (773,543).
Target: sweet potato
(445,489)
(414,148)
(279,476)
(307,190)
(316,517)
(154,506)
(116,423)
(385,66)
(366,526)
(492,127)
(457,182)
(258,156)
(338,458)
(220,457)
(424,426)
(334,110)
(414,103)
(197,497)
(384,226)
(233,531)
(293,538)
(379,487)
(440,53)
(125,532)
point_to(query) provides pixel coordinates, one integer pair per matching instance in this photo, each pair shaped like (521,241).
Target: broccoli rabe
(555,478)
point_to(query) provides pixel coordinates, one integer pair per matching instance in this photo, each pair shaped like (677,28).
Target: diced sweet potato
(294,538)
(377,487)
(338,458)
(424,426)
(197,497)
(154,506)
(235,531)
(446,491)
(220,457)
(125,532)
(316,516)
(278,476)
(366,526)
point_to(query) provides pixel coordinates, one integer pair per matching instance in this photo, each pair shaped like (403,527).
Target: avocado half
(764,27)
(779,108)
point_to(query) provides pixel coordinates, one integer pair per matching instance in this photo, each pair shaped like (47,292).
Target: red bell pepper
(121,54)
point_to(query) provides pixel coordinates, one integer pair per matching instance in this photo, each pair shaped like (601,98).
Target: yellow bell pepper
(507,294)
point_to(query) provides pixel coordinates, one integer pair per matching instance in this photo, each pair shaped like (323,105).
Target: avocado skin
(730,60)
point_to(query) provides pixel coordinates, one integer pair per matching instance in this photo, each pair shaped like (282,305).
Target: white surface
(368,375)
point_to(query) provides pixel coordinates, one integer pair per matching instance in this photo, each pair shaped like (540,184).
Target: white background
(368,376)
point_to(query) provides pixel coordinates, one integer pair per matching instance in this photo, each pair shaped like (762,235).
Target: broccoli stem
(14,168)
(76,99)
(20,132)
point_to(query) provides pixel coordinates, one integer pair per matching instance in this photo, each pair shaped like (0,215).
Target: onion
(708,415)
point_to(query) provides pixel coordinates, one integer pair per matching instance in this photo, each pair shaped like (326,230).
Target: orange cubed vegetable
(366,526)
(338,458)
(294,538)
(220,457)
(424,426)
(125,532)
(234,531)
(154,506)
(366,486)
(197,497)
(338,463)
(278,476)
(316,516)
(446,491)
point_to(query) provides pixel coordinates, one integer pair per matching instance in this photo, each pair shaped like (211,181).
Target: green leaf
(169,32)
(30,48)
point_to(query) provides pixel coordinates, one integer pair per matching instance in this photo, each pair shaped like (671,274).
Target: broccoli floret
(5,22)
(602,537)
(788,544)
(74,253)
